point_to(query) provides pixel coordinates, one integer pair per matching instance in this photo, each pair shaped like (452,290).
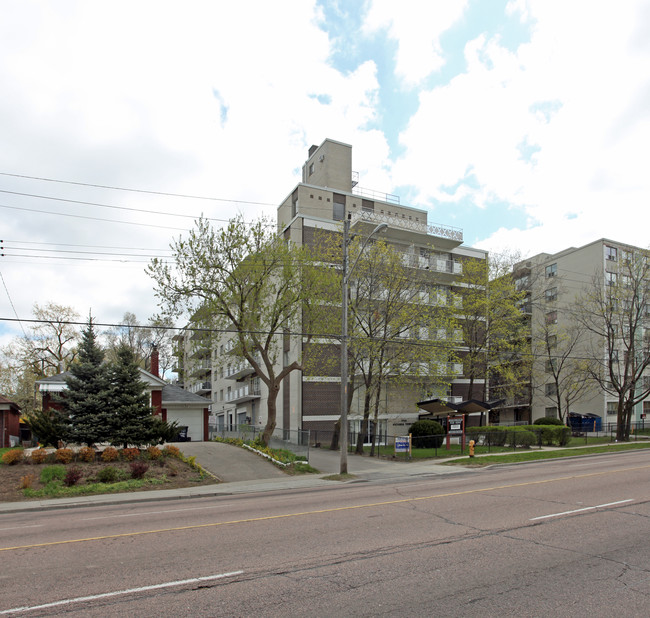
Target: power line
(86,184)
(11,302)
(63,214)
(139,210)
(62,244)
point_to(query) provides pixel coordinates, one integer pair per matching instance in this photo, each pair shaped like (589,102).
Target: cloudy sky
(524,122)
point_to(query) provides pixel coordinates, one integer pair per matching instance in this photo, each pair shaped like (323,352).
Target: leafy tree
(616,313)
(393,328)
(131,418)
(141,339)
(248,280)
(86,400)
(492,322)
(49,346)
(561,365)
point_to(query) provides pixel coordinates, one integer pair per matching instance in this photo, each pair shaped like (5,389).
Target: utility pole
(347,271)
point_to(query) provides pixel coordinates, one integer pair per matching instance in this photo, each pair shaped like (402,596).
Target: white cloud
(589,67)
(416,26)
(199,98)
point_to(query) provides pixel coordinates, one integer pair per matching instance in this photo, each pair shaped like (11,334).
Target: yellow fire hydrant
(471,448)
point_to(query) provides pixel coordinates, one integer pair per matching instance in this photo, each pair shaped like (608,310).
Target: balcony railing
(234,371)
(200,387)
(434,229)
(374,195)
(243,393)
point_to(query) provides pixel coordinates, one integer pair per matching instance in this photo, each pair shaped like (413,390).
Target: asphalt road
(567,538)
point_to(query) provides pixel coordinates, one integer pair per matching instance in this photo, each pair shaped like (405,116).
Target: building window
(550,412)
(610,278)
(550,389)
(611,253)
(612,408)
(551,341)
(626,256)
(551,295)
(551,317)
(311,169)
(551,365)
(551,270)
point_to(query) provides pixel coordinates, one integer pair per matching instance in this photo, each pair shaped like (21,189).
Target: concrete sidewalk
(212,456)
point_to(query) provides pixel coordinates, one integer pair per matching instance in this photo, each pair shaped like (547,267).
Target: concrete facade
(556,284)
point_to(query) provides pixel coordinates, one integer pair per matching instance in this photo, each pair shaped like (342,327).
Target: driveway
(230,463)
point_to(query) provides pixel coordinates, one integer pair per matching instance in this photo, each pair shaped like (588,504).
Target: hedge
(550,435)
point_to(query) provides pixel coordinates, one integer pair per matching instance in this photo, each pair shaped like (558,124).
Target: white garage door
(193,420)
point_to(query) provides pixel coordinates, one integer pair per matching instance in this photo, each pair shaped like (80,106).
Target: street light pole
(347,271)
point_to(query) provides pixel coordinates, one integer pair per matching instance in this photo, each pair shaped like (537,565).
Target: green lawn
(455,450)
(533,455)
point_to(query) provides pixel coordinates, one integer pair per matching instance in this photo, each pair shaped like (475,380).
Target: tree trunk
(272,414)
(376,416)
(364,423)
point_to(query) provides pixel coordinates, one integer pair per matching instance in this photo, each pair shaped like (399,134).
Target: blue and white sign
(402,444)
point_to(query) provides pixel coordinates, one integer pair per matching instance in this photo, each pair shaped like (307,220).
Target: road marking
(330,510)
(139,514)
(587,508)
(21,527)
(105,595)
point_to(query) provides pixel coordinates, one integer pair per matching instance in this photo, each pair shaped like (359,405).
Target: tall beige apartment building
(329,192)
(557,286)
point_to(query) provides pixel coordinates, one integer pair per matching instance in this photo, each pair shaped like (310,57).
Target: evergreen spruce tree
(132,420)
(86,398)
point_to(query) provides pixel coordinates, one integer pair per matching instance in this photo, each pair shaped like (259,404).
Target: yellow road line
(330,510)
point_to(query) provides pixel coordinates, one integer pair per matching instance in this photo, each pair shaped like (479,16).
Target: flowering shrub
(171,451)
(12,457)
(86,454)
(107,475)
(138,469)
(110,454)
(153,452)
(72,475)
(27,481)
(64,455)
(38,456)
(130,454)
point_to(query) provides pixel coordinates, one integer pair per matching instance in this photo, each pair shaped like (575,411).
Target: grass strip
(517,457)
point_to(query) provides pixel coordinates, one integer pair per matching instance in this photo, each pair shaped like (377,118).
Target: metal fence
(508,438)
(296,441)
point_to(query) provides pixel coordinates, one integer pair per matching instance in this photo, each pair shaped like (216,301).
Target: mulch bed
(176,473)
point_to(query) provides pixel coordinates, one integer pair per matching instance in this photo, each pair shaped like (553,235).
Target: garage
(188,410)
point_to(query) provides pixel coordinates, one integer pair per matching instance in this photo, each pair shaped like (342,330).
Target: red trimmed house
(9,423)
(171,402)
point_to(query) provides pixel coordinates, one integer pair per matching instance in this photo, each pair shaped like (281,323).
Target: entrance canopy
(470,406)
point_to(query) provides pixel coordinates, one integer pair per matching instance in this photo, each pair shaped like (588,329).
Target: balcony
(433,229)
(241,369)
(200,388)
(201,369)
(246,392)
